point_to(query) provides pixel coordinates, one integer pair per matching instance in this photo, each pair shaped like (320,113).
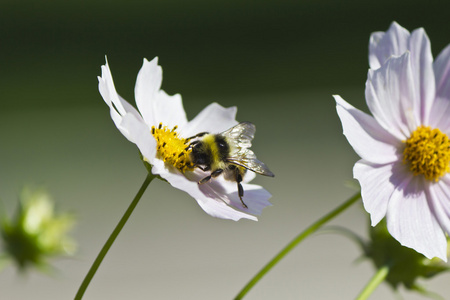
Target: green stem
(112,238)
(308,231)
(378,278)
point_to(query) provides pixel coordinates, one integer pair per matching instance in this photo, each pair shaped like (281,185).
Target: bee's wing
(251,163)
(240,137)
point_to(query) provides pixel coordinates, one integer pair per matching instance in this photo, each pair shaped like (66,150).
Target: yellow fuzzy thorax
(216,162)
(172,148)
(427,152)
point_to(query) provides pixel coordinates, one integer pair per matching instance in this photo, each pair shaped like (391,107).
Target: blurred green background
(278,61)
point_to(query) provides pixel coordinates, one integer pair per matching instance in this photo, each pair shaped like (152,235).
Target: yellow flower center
(171,148)
(428,152)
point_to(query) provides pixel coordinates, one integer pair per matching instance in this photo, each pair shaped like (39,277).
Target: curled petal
(391,97)
(369,140)
(395,42)
(108,91)
(117,105)
(383,45)
(411,222)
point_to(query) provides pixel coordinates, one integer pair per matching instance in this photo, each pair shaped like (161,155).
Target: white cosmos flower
(219,198)
(404,147)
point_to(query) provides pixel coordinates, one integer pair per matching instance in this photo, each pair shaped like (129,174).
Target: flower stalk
(112,238)
(299,238)
(374,282)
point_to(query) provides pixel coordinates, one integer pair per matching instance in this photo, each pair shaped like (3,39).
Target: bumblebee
(227,153)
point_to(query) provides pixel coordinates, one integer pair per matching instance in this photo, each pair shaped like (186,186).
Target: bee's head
(201,153)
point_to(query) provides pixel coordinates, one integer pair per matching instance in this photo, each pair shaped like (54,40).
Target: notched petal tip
(154,61)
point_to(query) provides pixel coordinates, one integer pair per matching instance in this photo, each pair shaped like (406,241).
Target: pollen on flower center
(171,147)
(428,152)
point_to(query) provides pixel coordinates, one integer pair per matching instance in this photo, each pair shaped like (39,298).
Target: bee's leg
(240,188)
(204,169)
(213,175)
(191,145)
(204,180)
(197,135)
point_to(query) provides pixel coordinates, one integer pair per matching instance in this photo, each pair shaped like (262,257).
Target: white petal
(446,181)
(108,91)
(110,95)
(249,176)
(422,68)
(411,222)
(214,118)
(377,185)
(169,110)
(439,196)
(219,209)
(383,45)
(255,197)
(118,106)
(148,83)
(139,133)
(154,104)
(369,140)
(376,58)
(395,42)
(442,73)
(441,105)
(213,206)
(439,114)
(391,97)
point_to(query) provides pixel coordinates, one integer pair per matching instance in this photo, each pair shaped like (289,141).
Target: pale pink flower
(404,146)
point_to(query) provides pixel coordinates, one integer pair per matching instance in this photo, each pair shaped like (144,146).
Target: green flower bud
(36,232)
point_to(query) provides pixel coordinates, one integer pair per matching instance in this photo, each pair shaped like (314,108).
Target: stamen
(428,152)
(171,148)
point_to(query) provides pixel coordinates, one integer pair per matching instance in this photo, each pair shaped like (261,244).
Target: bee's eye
(222,145)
